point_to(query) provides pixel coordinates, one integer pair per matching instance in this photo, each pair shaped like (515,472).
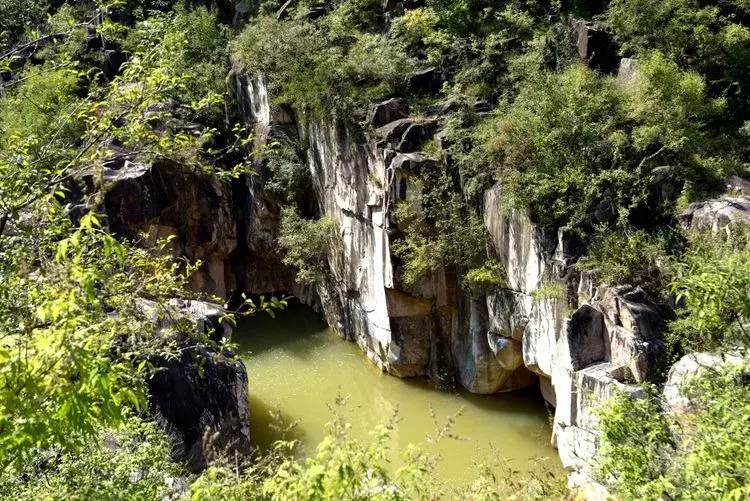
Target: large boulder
(405,135)
(715,214)
(688,367)
(200,396)
(383,113)
(595,45)
(427,81)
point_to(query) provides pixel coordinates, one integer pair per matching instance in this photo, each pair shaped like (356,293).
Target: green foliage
(195,47)
(710,458)
(74,341)
(289,179)
(632,257)
(709,37)
(712,281)
(343,468)
(636,444)
(308,245)
(483,279)
(440,235)
(571,141)
(16,17)
(552,289)
(319,70)
(131,462)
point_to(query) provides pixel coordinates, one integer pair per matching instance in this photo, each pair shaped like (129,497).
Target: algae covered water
(299,370)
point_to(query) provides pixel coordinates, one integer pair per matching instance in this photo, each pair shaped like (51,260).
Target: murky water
(298,369)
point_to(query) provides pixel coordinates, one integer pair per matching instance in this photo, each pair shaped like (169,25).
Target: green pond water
(299,369)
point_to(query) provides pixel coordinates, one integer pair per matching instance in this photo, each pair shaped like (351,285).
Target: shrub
(308,245)
(440,234)
(573,140)
(342,468)
(16,17)
(289,179)
(712,281)
(196,46)
(482,280)
(129,462)
(709,37)
(319,72)
(711,458)
(632,257)
(551,289)
(635,446)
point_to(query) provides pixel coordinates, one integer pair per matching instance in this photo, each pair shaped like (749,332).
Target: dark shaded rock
(317,12)
(201,400)
(595,46)
(200,397)
(391,134)
(314,13)
(120,16)
(163,200)
(482,106)
(388,111)
(415,135)
(735,185)
(113,61)
(634,325)
(584,337)
(427,81)
(664,186)
(407,134)
(390,5)
(604,212)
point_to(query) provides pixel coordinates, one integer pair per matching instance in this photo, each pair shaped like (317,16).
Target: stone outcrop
(166,201)
(548,325)
(610,342)
(594,45)
(518,335)
(381,114)
(716,214)
(201,396)
(690,366)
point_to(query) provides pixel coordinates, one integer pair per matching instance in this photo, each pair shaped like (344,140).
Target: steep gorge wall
(579,346)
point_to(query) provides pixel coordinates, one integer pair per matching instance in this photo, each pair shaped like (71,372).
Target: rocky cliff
(548,325)
(578,345)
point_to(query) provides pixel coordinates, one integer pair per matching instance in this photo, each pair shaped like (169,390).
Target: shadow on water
(523,401)
(294,329)
(269,424)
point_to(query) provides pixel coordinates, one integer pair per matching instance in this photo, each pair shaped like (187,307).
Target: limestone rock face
(607,344)
(429,329)
(548,323)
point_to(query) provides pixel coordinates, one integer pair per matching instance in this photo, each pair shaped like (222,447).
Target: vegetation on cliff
(87,89)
